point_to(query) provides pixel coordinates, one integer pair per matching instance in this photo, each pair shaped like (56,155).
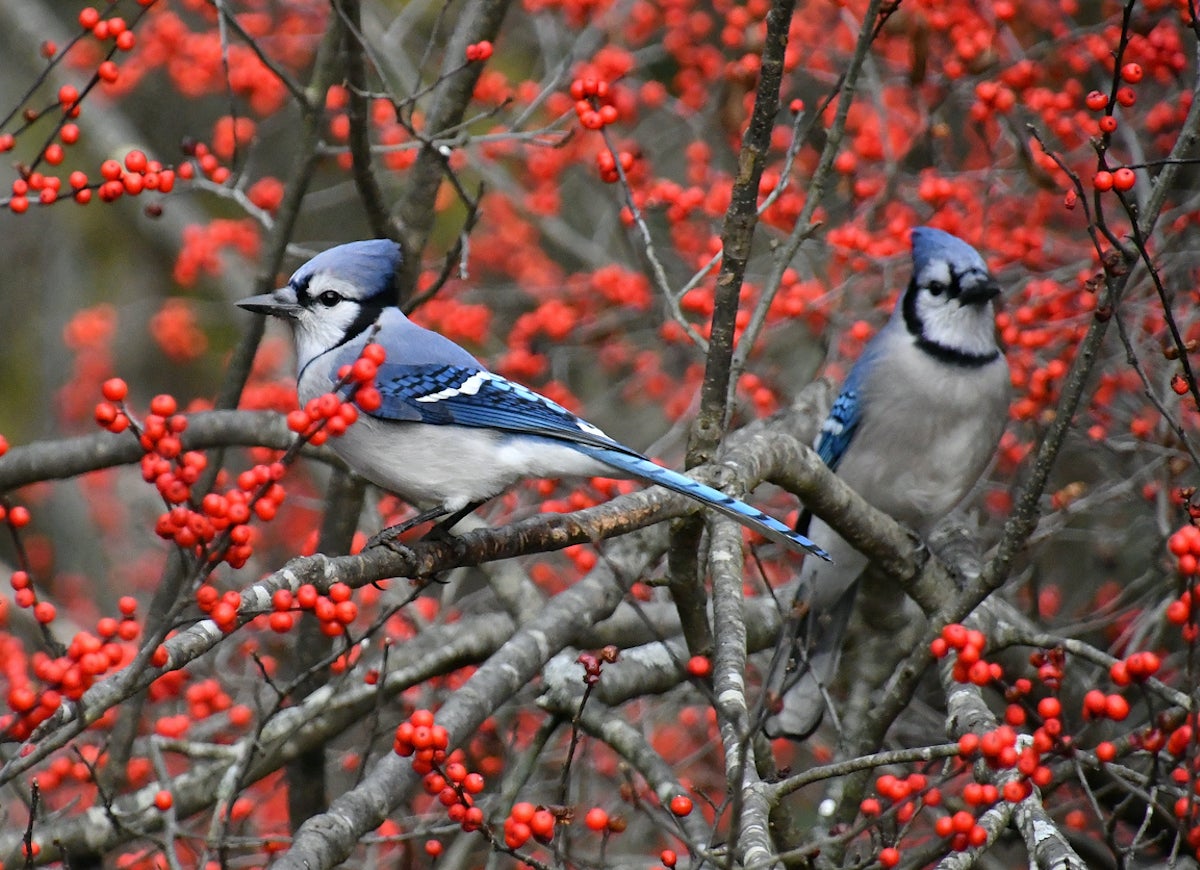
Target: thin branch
(737,235)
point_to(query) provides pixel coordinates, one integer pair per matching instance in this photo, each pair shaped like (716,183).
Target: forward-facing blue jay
(450,434)
(916,423)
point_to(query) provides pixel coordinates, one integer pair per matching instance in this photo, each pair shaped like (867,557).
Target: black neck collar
(950,355)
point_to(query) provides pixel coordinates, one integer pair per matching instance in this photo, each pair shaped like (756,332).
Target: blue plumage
(450,434)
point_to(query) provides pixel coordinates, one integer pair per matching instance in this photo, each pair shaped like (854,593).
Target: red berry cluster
(526,820)
(334,611)
(1135,668)
(593,103)
(321,417)
(418,736)
(479,51)
(962,829)
(88,658)
(114,27)
(1123,178)
(206,161)
(47,187)
(454,787)
(1120,179)
(903,793)
(1184,545)
(137,175)
(607,164)
(331,415)
(448,779)
(173,472)
(906,795)
(969,666)
(222,608)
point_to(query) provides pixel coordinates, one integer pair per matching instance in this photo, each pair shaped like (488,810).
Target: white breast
(928,432)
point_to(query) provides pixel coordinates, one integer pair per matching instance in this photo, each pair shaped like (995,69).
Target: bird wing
(463,396)
(838,429)
(837,432)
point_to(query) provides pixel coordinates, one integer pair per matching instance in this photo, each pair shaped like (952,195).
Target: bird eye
(936,288)
(329,298)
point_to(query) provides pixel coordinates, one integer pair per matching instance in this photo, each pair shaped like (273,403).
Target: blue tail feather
(751,517)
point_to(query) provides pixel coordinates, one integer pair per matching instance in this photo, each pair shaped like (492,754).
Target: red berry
(1049,708)
(363,370)
(596,819)
(1103,180)
(1132,73)
(1124,178)
(1116,708)
(542,825)
(699,666)
(368,398)
(163,800)
(681,805)
(114,389)
(163,405)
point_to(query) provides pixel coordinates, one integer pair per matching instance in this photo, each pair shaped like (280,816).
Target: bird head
(335,296)
(948,304)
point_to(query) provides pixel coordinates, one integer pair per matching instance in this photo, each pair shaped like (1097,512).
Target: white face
(327,308)
(952,308)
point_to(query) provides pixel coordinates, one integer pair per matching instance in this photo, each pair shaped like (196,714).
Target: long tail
(750,517)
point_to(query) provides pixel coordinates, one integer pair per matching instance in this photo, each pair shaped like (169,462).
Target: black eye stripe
(301,288)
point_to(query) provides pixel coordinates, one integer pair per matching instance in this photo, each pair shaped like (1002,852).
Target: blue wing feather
(642,468)
(838,429)
(462,396)
(837,432)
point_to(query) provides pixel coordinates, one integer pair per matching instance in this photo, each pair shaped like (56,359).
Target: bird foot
(386,537)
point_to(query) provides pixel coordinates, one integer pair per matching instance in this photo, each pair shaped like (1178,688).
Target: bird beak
(979,293)
(281,303)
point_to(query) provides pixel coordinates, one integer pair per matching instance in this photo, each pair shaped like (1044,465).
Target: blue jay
(915,425)
(450,434)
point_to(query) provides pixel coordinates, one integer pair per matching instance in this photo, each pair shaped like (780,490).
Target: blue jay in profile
(450,434)
(917,421)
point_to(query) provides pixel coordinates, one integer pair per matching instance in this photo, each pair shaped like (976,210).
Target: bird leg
(388,536)
(441,529)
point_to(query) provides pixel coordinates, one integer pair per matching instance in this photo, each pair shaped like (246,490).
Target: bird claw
(383,536)
(390,538)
